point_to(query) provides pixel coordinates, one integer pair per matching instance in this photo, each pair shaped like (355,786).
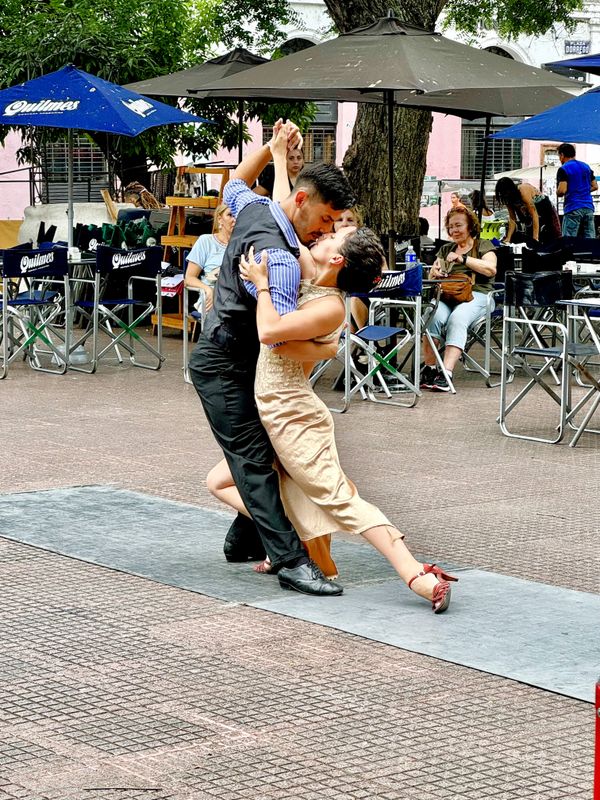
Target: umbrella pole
(240,129)
(389,100)
(439,199)
(70,214)
(486,143)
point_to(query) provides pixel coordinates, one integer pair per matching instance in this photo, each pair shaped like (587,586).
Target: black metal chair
(540,346)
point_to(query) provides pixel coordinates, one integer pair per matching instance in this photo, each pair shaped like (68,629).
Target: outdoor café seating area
(538,341)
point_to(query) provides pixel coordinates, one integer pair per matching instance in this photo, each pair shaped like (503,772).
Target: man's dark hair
(566,150)
(365,259)
(423,226)
(329,182)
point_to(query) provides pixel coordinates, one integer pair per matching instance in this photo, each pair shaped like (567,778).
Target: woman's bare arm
(310,351)
(528,193)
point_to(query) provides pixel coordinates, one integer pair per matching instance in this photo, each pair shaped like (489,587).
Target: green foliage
(510,17)
(129,40)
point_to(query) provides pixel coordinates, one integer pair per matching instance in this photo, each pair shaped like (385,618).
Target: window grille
(90,171)
(319,142)
(503,154)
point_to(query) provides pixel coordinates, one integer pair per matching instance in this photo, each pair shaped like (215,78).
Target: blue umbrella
(589,63)
(577,120)
(75,100)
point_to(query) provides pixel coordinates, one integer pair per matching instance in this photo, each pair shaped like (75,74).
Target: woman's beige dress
(317,496)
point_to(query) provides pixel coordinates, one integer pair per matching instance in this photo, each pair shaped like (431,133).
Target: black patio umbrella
(394,62)
(177,83)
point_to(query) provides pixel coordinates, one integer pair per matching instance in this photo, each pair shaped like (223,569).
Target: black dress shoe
(242,542)
(308,579)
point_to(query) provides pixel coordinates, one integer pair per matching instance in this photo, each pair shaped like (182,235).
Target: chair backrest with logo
(118,266)
(35,263)
(398,284)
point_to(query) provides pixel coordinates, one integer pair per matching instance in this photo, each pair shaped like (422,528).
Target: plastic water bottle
(410,257)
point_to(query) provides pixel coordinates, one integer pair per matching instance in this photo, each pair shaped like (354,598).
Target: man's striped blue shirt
(284,269)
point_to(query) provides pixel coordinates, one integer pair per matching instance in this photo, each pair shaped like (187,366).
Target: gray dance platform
(541,635)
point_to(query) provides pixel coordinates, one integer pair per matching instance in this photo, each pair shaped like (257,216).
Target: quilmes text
(129,259)
(28,263)
(40,107)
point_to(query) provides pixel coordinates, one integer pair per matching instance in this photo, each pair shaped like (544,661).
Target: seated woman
(353,218)
(206,255)
(466,253)
(294,166)
(529,209)
(318,497)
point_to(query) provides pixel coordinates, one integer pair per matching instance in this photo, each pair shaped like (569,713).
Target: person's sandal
(442,591)
(265,567)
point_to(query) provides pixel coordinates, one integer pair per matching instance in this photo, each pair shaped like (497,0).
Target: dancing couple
(281,471)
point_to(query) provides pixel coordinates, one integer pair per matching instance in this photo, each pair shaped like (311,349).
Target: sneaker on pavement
(440,384)
(428,374)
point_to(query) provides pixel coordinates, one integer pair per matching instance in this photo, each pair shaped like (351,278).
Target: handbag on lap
(457,290)
(459,286)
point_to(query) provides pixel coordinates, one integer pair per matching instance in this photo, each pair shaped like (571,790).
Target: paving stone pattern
(115,687)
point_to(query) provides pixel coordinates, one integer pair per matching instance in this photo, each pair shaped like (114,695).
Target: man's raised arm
(253,164)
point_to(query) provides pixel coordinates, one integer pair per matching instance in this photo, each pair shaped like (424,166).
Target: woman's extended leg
(220,483)
(420,579)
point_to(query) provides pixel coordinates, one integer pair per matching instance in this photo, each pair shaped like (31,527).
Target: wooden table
(176,235)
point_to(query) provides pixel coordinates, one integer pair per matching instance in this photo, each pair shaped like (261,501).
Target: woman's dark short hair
(329,182)
(472,221)
(365,259)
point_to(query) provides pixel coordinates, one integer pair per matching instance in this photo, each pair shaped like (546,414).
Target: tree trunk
(366,164)
(366,161)
(128,167)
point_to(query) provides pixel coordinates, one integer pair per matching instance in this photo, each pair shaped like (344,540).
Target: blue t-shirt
(208,253)
(578,177)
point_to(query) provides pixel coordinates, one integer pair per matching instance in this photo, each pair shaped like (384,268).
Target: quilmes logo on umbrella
(44,106)
(140,107)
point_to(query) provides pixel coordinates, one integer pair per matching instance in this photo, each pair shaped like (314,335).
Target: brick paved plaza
(118,687)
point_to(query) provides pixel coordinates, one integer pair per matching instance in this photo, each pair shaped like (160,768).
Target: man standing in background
(575,181)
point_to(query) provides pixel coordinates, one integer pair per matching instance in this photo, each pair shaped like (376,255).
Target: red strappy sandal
(265,567)
(441,591)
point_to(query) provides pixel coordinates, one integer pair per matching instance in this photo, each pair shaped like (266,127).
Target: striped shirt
(284,269)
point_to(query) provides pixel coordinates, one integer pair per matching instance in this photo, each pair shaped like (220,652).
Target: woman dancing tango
(317,495)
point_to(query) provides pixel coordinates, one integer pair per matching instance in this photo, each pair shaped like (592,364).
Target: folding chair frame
(28,317)
(103,314)
(198,319)
(567,354)
(404,285)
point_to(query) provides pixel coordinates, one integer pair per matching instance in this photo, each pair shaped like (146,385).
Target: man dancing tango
(223,364)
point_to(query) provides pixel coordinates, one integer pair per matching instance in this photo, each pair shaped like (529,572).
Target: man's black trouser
(226,389)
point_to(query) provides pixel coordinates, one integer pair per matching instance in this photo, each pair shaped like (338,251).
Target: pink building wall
(443,160)
(14,197)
